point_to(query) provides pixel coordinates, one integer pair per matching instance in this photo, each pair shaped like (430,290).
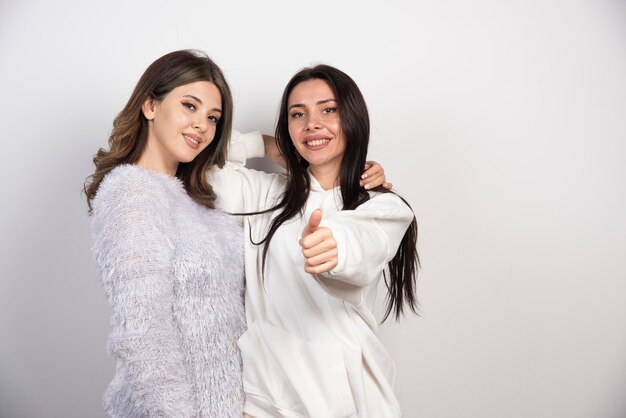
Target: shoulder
(128,188)
(388,204)
(130,178)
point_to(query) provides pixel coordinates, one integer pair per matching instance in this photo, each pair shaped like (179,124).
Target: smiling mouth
(317,142)
(192,140)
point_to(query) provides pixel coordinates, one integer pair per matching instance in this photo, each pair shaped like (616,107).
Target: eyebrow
(317,103)
(200,101)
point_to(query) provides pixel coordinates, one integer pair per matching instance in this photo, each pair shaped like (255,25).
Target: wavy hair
(400,275)
(129,136)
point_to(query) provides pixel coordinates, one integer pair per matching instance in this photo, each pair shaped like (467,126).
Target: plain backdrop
(503,123)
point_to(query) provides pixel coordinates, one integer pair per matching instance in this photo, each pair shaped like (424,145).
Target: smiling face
(315,128)
(180,126)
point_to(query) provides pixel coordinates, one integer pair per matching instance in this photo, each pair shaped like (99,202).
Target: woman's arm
(272,151)
(134,257)
(349,250)
(240,189)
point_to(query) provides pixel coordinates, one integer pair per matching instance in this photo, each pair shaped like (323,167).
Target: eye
(297,115)
(189,106)
(329,110)
(214,119)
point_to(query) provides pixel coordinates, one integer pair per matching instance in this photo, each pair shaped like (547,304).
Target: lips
(316,141)
(192,140)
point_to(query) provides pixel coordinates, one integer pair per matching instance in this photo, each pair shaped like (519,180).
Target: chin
(317,161)
(188,158)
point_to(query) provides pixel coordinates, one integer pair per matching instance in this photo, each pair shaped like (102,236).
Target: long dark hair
(354,119)
(129,136)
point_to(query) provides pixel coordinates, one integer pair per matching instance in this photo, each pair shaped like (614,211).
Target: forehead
(206,91)
(311,91)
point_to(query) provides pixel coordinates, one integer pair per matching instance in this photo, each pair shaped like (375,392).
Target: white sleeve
(367,239)
(240,189)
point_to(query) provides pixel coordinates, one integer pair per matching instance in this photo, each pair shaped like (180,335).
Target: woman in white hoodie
(316,248)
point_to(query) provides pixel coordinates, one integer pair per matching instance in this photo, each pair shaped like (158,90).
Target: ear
(148,107)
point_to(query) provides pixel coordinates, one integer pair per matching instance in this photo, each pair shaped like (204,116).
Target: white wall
(502,122)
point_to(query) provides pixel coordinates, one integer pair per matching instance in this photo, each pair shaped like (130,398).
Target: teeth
(192,140)
(317,142)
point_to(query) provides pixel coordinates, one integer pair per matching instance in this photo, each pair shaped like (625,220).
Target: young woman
(171,265)
(316,248)
(174,281)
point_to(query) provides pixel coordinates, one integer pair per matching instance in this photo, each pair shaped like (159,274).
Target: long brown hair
(400,277)
(129,136)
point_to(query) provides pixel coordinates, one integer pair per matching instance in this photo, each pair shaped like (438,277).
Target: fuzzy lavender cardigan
(173,272)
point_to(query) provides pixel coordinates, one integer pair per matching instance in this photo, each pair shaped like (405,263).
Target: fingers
(322,268)
(321,259)
(371,168)
(316,238)
(320,247)
(314,223)
(320,251)
(374,179)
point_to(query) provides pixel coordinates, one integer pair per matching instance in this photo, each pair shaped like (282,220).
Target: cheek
(336,126)
(211,135)
(295,143)
(170,123)
(341,143)
(292,127)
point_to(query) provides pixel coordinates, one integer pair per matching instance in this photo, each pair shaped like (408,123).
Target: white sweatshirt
(311,348)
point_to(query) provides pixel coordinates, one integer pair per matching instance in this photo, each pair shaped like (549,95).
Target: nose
(313,122)
(201,123)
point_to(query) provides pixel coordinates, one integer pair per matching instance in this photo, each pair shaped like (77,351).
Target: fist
(319,247)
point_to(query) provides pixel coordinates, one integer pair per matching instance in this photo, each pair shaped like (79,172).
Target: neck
(151,160)
(327,177)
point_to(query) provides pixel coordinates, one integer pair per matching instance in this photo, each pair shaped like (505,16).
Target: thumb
(314,223)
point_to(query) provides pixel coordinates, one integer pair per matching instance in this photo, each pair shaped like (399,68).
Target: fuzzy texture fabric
(173,273)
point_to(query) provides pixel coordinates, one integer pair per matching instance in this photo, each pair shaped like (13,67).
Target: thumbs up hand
(313,225)
(318,246)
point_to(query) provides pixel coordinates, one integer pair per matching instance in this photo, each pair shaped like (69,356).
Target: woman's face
(182,125)
(314,126)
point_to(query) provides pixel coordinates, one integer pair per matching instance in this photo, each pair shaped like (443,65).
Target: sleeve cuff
(255,147)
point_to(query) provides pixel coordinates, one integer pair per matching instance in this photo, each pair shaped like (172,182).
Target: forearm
(145,340)
(240,189)
(272,151)
(367,238)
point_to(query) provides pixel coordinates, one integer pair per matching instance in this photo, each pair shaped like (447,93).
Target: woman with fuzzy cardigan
(173,279)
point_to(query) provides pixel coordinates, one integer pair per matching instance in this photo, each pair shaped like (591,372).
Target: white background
(502,122)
